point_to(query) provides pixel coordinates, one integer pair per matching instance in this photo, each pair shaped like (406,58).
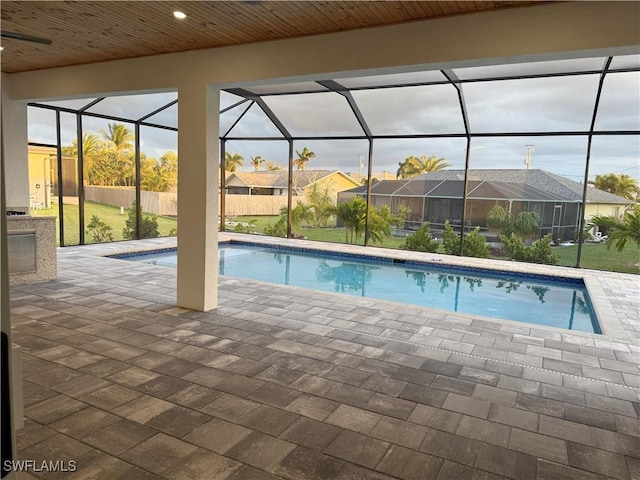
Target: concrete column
(14,150)
(7,378)
(198,161)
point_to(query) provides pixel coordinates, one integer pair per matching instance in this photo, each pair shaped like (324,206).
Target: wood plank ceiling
(94,31)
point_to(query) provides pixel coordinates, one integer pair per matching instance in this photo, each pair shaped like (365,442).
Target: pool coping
(608,319)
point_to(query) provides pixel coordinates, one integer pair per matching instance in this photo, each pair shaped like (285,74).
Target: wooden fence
(166,203)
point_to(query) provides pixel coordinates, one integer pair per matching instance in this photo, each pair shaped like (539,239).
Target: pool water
(539,300)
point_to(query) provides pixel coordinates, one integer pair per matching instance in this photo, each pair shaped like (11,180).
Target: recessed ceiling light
(179,15)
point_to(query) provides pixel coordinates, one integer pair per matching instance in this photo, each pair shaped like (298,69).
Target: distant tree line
(109,160)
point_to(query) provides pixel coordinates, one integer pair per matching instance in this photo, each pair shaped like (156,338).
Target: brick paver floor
(283,382)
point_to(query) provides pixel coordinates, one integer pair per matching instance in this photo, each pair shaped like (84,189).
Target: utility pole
(527,161)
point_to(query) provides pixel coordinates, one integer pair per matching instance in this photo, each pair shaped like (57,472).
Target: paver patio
(284,382)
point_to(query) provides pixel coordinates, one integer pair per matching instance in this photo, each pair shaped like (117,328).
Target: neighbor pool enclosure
(568,120)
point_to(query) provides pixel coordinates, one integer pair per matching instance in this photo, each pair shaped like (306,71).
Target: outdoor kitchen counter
(31,246)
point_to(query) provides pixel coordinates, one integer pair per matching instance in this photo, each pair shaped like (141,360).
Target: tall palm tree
(413,166)
(622,185)
(432,163)
(303,158)
(257,162)
(232,161)
(119,135)
(273,167)
(91,148)
(91,145)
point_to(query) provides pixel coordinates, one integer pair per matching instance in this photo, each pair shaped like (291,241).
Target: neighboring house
(277,182)
(43,177)
(375,176)
(437,197)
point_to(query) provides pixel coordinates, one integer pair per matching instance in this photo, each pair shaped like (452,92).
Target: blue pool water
(562,303)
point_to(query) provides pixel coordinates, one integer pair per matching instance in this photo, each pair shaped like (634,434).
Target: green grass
(328,234)
(596,256)
(260,221)
(108,214)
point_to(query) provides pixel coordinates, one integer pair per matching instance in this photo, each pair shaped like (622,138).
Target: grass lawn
(596,256)
(108,214)
(333,235)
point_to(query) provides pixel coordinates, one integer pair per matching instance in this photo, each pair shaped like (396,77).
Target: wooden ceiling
(94,31)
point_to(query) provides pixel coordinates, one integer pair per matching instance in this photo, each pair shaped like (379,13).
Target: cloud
(411,110)
(537,105)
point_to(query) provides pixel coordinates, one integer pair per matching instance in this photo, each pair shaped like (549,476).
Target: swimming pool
(535,299)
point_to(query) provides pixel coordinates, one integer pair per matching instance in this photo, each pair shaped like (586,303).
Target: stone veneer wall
(46,260)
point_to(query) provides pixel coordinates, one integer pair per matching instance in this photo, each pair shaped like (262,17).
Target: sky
(510,106)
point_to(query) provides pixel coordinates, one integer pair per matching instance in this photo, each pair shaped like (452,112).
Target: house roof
(280,178)
(516,184)
(525,184)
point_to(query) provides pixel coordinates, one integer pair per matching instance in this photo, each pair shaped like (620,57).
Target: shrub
(450,240)
(99,231)
(538,252)
(473,244)
(148,225)
(278,229)
(514,247)
(244,227)
(421,240)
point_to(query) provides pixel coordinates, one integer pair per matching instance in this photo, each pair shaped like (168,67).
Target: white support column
(14,149)
(198,161)
(7,377)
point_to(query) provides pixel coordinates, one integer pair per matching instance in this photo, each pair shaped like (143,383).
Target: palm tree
(119,135)
(159,175)
(380,221)
(303,158)
(499,220)
(91,148)
(413,166)
(354,216)
(321,201)
(604,224)
(621,185)
(273,167)
(432,163)
(232,162)
(300,214)
(526,225)
(627,229)
(257,162)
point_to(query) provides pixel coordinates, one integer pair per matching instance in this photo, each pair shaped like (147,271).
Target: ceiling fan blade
(26,38)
